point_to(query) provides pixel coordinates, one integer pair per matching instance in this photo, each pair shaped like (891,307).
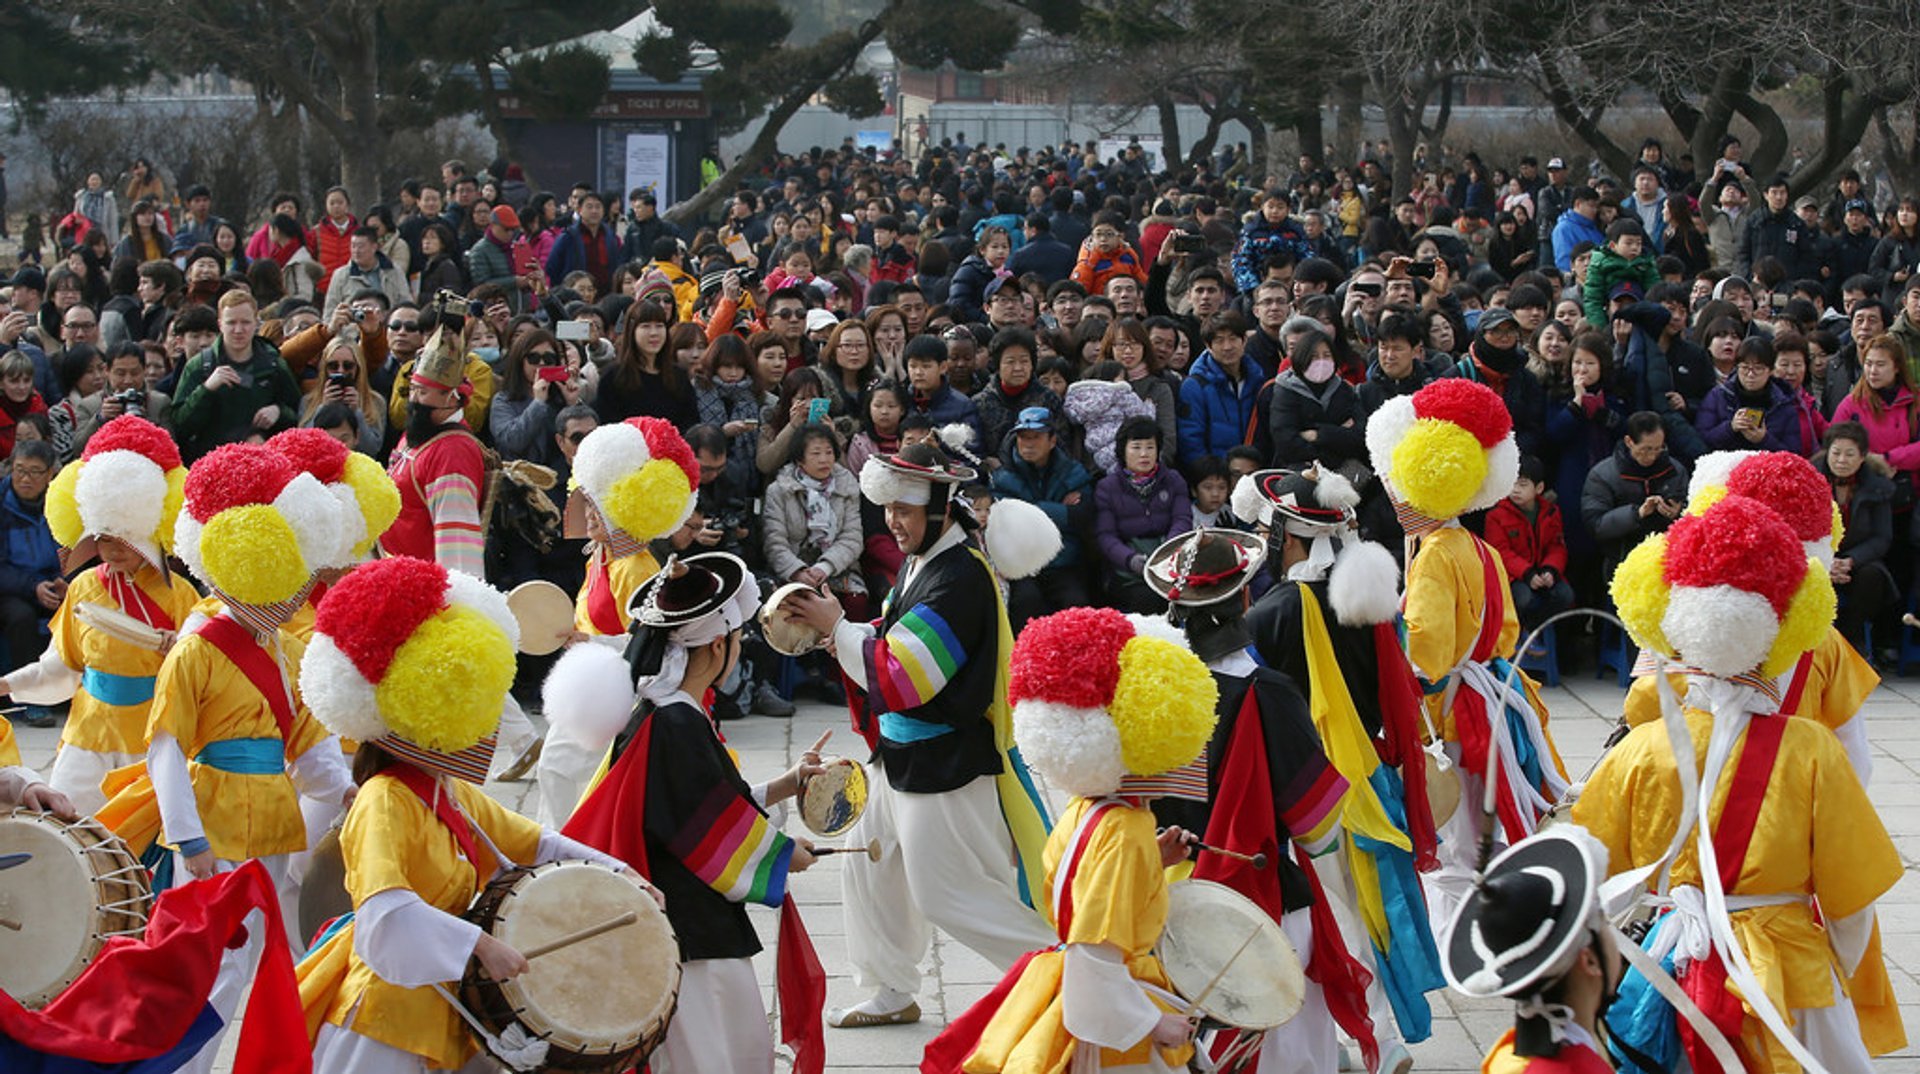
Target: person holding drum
(960,829)
(638,478)
(411,660)
(120,618)
(1446,450)
(1110,709)
(671,804)
(22,786)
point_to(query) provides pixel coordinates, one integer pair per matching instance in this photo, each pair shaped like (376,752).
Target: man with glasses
(787,318)
(31,588)
(126,393)
(79,325)
(405,337)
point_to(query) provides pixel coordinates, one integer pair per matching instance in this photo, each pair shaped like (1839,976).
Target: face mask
(1319,370)
(489,355)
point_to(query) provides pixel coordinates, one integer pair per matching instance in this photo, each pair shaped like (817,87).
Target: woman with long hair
(1684,239)
(1126,342)
(147,238)
(537,381)
(847,360)
(644,380)
(343,380)
(781,422)
(444,268)
(1897,256)
(227,242)
(888,327)
(392,243)
(724,394)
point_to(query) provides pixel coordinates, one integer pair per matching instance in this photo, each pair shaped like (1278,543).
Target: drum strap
(601,610)
(132,599)
(440,801)
(238,645)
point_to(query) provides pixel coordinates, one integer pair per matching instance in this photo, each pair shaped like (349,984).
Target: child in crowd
(1622,260)
(1527,532)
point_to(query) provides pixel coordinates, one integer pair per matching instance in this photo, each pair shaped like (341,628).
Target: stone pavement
(1583,712)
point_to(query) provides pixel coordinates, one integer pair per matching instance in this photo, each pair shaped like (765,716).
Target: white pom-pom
(315,516)
(956,436)
(463,588)
(1821,552)
(880,484)
(608,454)
(186,545)
(1719,629)
(1249,504)
(1714,468)
(1021,540)
(353,524)
(590,691)
(1385,430)
(338,695)
(121,494)
(1158,626)
(1364,587)
(1333,490)
(1075,749)
(1503,469)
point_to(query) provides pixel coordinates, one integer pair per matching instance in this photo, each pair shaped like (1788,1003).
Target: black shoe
(726,708)
(768,702)
(38,716)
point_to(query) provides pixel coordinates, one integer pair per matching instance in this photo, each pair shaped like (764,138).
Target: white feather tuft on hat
(1364,586)
(1020,539)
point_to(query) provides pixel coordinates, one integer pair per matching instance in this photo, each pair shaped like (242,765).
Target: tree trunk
(1438,132)
(1202,151)
(363,150)
(1584,126)
(496,120)
(1844,121)
(1902,157)
(1259,146)
(1716,115)
(1169,129)
(1769,158)
(1348,116)
(1309,127)
(1402,131)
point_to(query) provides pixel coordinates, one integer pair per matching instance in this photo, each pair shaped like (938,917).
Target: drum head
(323,892)
(57,900)
(832,801)
(1443,791)
(787,639)
(601,995)
(545,615)
(1206,924)
(118,624)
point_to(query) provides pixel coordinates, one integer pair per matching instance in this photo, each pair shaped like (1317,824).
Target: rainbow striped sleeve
(914,660)
(1310,803)
(729,845)
(458,543)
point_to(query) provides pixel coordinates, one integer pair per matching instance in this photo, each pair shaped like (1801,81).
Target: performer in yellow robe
(421,839)
(118,501)
(1100,1000)
(1785,832)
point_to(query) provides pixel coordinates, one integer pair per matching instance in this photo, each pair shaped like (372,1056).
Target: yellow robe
(202,697)
(94,724)
(391,840)
(9,749)
(1838,683)
(1816,834)
(1119,898)
(624,576)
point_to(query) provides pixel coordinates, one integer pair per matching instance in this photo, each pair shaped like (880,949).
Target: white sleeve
(1853,738)
(407,943)
(1101,1003)
(556,847)
(14,782)
(321,773)
(173,788)
(848,637)
(46,681)
(1849,936)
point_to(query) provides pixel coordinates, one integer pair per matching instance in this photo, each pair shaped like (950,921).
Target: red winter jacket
(1526,546)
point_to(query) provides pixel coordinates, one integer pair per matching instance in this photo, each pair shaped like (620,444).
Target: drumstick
(7,923)
(587,933)
(1193,1005)
(871,850)
(1258,860)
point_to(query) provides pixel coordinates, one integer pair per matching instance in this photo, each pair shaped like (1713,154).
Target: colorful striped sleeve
(1310,802)
(914,660)
(729,845)
(458,543)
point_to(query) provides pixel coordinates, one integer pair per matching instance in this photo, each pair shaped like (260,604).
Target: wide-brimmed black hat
(1519,925)
(1305,502)
(1204,566)
(687,590)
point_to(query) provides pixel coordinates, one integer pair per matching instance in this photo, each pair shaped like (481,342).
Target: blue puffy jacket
(32,555)
(1215,412)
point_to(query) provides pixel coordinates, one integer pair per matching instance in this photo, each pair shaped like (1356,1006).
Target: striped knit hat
(128,484)
(255,528)
(640,475)
(368,497)
(416,658)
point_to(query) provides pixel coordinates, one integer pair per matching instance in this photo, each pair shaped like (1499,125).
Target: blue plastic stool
(1544,658)
(1616,653)
(1909,644)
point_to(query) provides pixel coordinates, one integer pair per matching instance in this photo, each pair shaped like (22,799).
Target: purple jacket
(1715,420)
(1124,516)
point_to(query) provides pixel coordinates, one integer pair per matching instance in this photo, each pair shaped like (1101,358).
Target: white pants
(1832,1034)
(342,1051)
(720,1024)
(237,964)
(568,759)
(945,859)
(77,774)
(1459,851)
(1336,883)
(1307,1043)
(516,734)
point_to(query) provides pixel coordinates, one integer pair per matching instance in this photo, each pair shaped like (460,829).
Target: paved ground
(1583,711)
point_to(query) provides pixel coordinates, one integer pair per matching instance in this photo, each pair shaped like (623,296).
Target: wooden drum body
(80,888)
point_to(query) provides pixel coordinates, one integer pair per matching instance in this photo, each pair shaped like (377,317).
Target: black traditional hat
(1534,907)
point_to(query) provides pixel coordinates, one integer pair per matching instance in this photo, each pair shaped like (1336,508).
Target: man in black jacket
(1043,255)
(1777,232)
(1497,359)
(1639,491)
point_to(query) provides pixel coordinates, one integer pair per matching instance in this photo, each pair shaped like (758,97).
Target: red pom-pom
(129,433)
(235,475)
(1791,488)
(665,442)
(1738,542)
(1469,404)
(1069,658)
(372,611)
(312,451)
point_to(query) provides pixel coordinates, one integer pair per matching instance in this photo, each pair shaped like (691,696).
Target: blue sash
(111,689)
(245,756)
(907,730)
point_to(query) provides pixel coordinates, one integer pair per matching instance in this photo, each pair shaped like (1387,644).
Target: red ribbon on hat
(1183,579)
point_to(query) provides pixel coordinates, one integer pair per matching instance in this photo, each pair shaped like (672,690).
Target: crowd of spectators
(1112,344)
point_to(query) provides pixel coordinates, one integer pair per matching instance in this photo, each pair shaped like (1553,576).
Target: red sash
(132,599)
(1797,686)
(1472,723)
(440,801)
(1706,979)
(1399,744)
(602,612)
(238,645)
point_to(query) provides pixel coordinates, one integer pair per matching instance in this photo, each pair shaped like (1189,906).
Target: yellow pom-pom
(1809,615)
(1839,528)
(63,509)
(447,682)
(1437,468)
(1705,498)
(170,509)
(251,554)
(650,502)
(1163,705)
(1640,593)
(378,497)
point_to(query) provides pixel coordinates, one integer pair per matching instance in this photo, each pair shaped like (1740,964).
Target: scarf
(823,522)
(1762,399)
(1142,484)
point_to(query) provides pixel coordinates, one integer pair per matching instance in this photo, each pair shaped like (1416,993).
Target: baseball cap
(1494,318)
(820,320)
(1556,164)
(31,278)
(1805,201)
(1859,205)
(1034,419)
(506,217)
(994,285)
(1624,289)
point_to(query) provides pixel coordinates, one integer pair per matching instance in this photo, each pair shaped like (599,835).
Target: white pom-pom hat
(640,476)
(254,527)
(128,485)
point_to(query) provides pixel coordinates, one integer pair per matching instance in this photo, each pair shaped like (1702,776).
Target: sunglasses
(787,315)
(576,437)
(544,357)
(403,326)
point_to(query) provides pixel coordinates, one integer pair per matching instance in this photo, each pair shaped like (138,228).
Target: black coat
(1331,412)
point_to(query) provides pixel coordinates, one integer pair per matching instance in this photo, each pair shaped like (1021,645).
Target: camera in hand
(1421,270)
(450,309)
(1188,243)
(747,276)
(132,401)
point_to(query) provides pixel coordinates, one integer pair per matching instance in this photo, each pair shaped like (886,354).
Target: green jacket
(1608,268)
(204,418)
